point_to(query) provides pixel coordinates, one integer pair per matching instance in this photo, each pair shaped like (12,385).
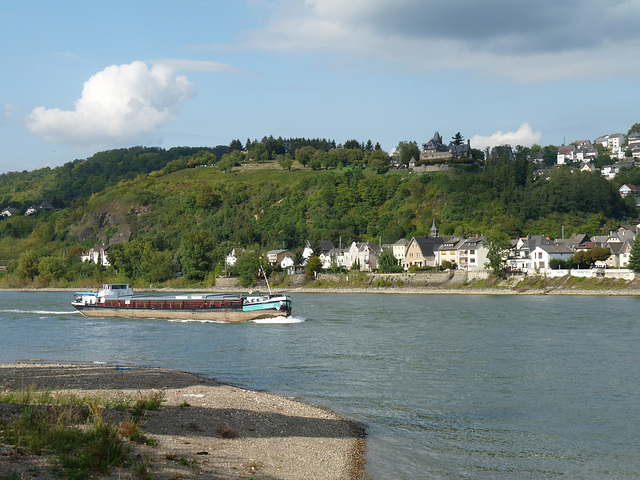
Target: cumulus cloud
(524,136)
(119,104)
(530,41)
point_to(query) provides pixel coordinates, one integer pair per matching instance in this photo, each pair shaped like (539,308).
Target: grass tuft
(73,430)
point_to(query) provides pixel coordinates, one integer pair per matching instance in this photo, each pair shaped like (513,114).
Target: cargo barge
(119,300)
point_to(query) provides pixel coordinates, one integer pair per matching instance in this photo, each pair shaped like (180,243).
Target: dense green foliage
(163,217)
(634,258)
(76,181)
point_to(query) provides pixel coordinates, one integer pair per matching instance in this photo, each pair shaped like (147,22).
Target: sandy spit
(205,429)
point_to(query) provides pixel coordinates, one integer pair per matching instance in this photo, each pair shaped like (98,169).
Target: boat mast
(266,279)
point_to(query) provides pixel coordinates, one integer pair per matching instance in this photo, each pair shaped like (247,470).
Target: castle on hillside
(435,150)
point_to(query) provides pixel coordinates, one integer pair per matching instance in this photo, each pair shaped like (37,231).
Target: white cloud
(10,110)
(524,136)
(527,41)
(120,103)
(196,65)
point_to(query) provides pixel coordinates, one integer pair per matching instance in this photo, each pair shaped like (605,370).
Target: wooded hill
(159,206)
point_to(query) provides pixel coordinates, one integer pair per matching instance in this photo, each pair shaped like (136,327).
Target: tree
(259,153)
(285,161)
(499,245)
(313,267)
(634,259)
(635,128)
(51,267)
(228,161)
(28,264)
(248,267)
(207,198)
(387,263)
(405,151)
(235,145)
(369,146)
(588,259)
(378,161)
(196,247)
(549,155)
(457,139)
(353,144)
(156,266)
(304,155)
(316,161)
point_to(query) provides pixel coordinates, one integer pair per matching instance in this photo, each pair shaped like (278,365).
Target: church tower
(434,230)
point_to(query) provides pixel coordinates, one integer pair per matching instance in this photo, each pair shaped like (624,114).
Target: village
(528,255)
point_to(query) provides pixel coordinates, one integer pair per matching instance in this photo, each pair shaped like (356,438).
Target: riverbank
(203,428)
(629,290)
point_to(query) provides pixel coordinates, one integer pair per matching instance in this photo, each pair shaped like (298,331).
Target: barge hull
(219,315)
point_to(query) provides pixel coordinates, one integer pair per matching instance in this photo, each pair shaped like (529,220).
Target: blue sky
(83,76)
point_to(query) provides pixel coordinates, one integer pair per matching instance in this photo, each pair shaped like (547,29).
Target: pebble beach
(217,431)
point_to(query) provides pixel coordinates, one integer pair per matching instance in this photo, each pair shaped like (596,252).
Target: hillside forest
(172,216)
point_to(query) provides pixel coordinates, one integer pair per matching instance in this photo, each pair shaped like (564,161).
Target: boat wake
(274,320)
(39,312)
(280,320)
(191,320)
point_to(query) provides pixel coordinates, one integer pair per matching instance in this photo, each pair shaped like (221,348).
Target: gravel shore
(204,429)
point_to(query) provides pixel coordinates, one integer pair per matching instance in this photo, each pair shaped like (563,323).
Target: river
(448,386)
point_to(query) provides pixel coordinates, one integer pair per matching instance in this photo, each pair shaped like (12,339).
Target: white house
(613,143)
(283,257)
(610,171)
(628,189)
(521,257)
(325,247)
(472,254)
(616,141)
(287,262)
(565,154)
(335,258)
(97,254)
(542,255)
(31,210)
(232,258)
(363,254)
(8,212)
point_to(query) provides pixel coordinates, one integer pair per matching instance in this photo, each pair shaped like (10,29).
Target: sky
(78,77)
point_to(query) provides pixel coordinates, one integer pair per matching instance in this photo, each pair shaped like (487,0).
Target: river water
(448,386)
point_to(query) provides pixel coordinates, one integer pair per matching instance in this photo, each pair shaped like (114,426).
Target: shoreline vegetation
(81,421)
(362,283)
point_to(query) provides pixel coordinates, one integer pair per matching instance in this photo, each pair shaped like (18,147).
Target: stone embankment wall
(420,279)
(592,273)
(226,282)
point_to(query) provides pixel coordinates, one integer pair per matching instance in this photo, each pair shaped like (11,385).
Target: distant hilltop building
(435,151)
